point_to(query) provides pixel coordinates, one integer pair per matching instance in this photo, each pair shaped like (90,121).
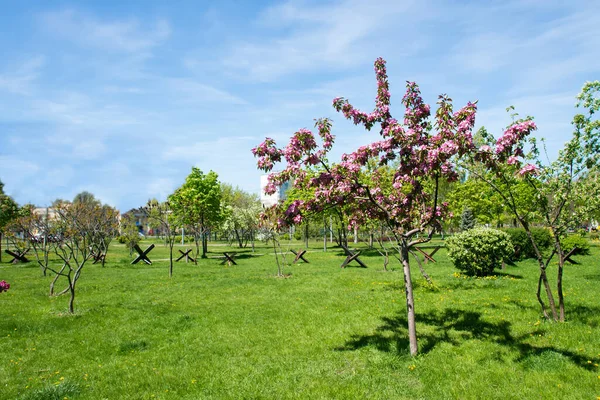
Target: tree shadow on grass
(592,277)
(455,327)
(508,275)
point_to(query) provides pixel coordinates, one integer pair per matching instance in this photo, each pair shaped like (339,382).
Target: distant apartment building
(140,218)
(48,213)
(269,200)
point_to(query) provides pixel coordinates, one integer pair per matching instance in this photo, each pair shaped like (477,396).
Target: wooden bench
(351,256)
(143,254)
(299,255)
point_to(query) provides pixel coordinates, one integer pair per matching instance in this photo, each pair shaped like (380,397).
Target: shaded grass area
(218,331)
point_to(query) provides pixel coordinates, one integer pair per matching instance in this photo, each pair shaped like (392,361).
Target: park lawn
(218,331)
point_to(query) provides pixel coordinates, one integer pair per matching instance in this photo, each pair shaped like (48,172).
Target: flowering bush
(4,286)
(478,251)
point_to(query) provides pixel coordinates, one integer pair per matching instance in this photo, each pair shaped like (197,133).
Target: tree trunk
(543,276)
(204,245)
(306,234)
(171,257)
(410,301)
(72,299)
(561,298)
(238,237)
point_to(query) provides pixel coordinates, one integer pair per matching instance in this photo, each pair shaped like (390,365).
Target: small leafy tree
(108,229)
(197,205)
(80,228)
(271,225)
(553,185)
(8,211)
(162,216)
(240,215)
(478,251)
(423,153)
(129,233)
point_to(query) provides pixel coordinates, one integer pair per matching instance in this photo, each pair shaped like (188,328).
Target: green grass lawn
(239,332)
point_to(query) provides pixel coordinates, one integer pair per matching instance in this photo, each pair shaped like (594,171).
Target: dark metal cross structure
(428,257)
(569,254)
(187,255)
(18,256)
(299,255)
(351,256)
(143,254)
(228,258)
(98,257)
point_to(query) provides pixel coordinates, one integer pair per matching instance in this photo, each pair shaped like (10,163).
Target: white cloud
(334,35)
(20,81)
(121,35)
(190,90)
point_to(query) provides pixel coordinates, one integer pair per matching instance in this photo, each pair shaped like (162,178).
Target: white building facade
(269,200)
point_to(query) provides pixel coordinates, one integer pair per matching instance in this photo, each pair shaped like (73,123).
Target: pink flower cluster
(420,149)
(268,154)
(4,286)
(509,149)
(510,143)
(528,170)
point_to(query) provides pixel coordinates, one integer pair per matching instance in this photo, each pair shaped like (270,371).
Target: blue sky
(122,98)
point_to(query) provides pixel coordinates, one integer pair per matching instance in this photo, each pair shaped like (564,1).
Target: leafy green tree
(86,198)
(552,185)
(485,205)
(197,205)
(8,211)
(240,214)
(130,235)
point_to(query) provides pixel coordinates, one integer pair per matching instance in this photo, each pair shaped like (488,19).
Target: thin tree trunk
(306,234)
(72,299)
(543,276)
(561,298)
(410,301)
(539,297)
(239,239)
(171,243)
(204,245)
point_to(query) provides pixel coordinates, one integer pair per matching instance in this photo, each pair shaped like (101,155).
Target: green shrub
(478,251)
(522,244)
(594,235)
(570,242)
(122,239)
